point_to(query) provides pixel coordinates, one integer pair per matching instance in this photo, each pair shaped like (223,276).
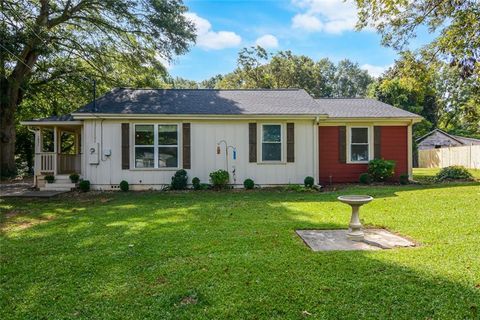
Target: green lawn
(235,255)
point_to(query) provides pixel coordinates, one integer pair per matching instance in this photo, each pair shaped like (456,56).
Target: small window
(167,146)
(271,142)
(156,146)
(359,144)
(144,146)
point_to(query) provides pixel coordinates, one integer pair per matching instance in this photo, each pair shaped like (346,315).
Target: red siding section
(393,147)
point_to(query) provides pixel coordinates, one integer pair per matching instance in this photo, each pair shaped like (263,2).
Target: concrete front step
(58,186)
(54,189)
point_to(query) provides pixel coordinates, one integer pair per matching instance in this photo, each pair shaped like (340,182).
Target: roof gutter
(82,116)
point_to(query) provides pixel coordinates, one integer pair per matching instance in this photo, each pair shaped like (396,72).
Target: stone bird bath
(355,232)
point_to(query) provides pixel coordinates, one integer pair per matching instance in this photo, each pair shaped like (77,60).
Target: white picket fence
(467,156)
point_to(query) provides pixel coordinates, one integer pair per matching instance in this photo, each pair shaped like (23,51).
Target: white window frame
(156,146)
(282,143)
(349,143)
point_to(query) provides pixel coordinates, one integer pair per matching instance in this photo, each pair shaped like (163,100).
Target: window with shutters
(272,142)
(156,146)
(360,146)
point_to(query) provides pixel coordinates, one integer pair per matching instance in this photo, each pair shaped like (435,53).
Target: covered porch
(58,148)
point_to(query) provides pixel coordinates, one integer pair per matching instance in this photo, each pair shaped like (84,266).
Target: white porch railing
(45,162)
(50,162)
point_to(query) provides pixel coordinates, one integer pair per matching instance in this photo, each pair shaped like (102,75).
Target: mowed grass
(235,255)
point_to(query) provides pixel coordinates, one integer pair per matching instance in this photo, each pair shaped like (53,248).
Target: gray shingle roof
(233,102)
(361,108)
(204,101)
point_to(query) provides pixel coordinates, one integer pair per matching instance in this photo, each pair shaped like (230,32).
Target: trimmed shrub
(179,180)
(404,179)
(84,185)
(248,184)
(219,178)
(124,185)
(49,178)
(381,170)
(454,173)
(74,177)
(365,178)
(196,183)
(308,182)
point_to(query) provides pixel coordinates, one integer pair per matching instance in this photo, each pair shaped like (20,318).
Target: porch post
(55,149)
(410,151)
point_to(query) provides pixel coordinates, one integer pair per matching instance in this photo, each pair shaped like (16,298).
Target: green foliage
(454,23)
(259,69)
(219,178)
(309,182)
(381,170)
(179,180)
(196,183)
(84,185)
(124,186)
(365,178)
(74,177)
(404,179)
(248,184)
(50,178)
(454,173)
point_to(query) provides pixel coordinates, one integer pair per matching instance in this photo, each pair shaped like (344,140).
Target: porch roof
(66,119)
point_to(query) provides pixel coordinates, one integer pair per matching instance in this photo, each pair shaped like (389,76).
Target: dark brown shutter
(252,142)
(377,136)
(290,142)
(125,146)
(342,144)
(187,164)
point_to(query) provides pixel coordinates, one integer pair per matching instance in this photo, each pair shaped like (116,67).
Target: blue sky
(316,28)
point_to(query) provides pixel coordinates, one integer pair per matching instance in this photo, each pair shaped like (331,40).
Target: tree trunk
(7,146)
(8,104)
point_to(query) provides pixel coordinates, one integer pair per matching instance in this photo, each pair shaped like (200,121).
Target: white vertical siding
(204,159)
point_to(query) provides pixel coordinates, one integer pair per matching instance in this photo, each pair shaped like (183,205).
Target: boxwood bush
(454,173)
(49,178)
(381,170)
(365,178)
(84,185)
(248,184)
(179,180)
(308,182)
(124,185)
(196,183)
(404,178)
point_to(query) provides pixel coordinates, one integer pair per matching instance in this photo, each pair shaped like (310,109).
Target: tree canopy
(54,44)
(455,23)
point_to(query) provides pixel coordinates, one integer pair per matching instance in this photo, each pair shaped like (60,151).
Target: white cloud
(374,71)
(330,16)
(209,39)
(307,22)
(267,41)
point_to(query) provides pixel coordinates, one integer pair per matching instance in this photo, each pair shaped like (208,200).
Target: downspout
(35,146)
(315,150)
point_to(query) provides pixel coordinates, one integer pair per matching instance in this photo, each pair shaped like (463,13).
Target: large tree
(455,23)
(259,69)
(54,40)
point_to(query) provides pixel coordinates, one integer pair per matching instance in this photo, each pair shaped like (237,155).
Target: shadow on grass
(212,255)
